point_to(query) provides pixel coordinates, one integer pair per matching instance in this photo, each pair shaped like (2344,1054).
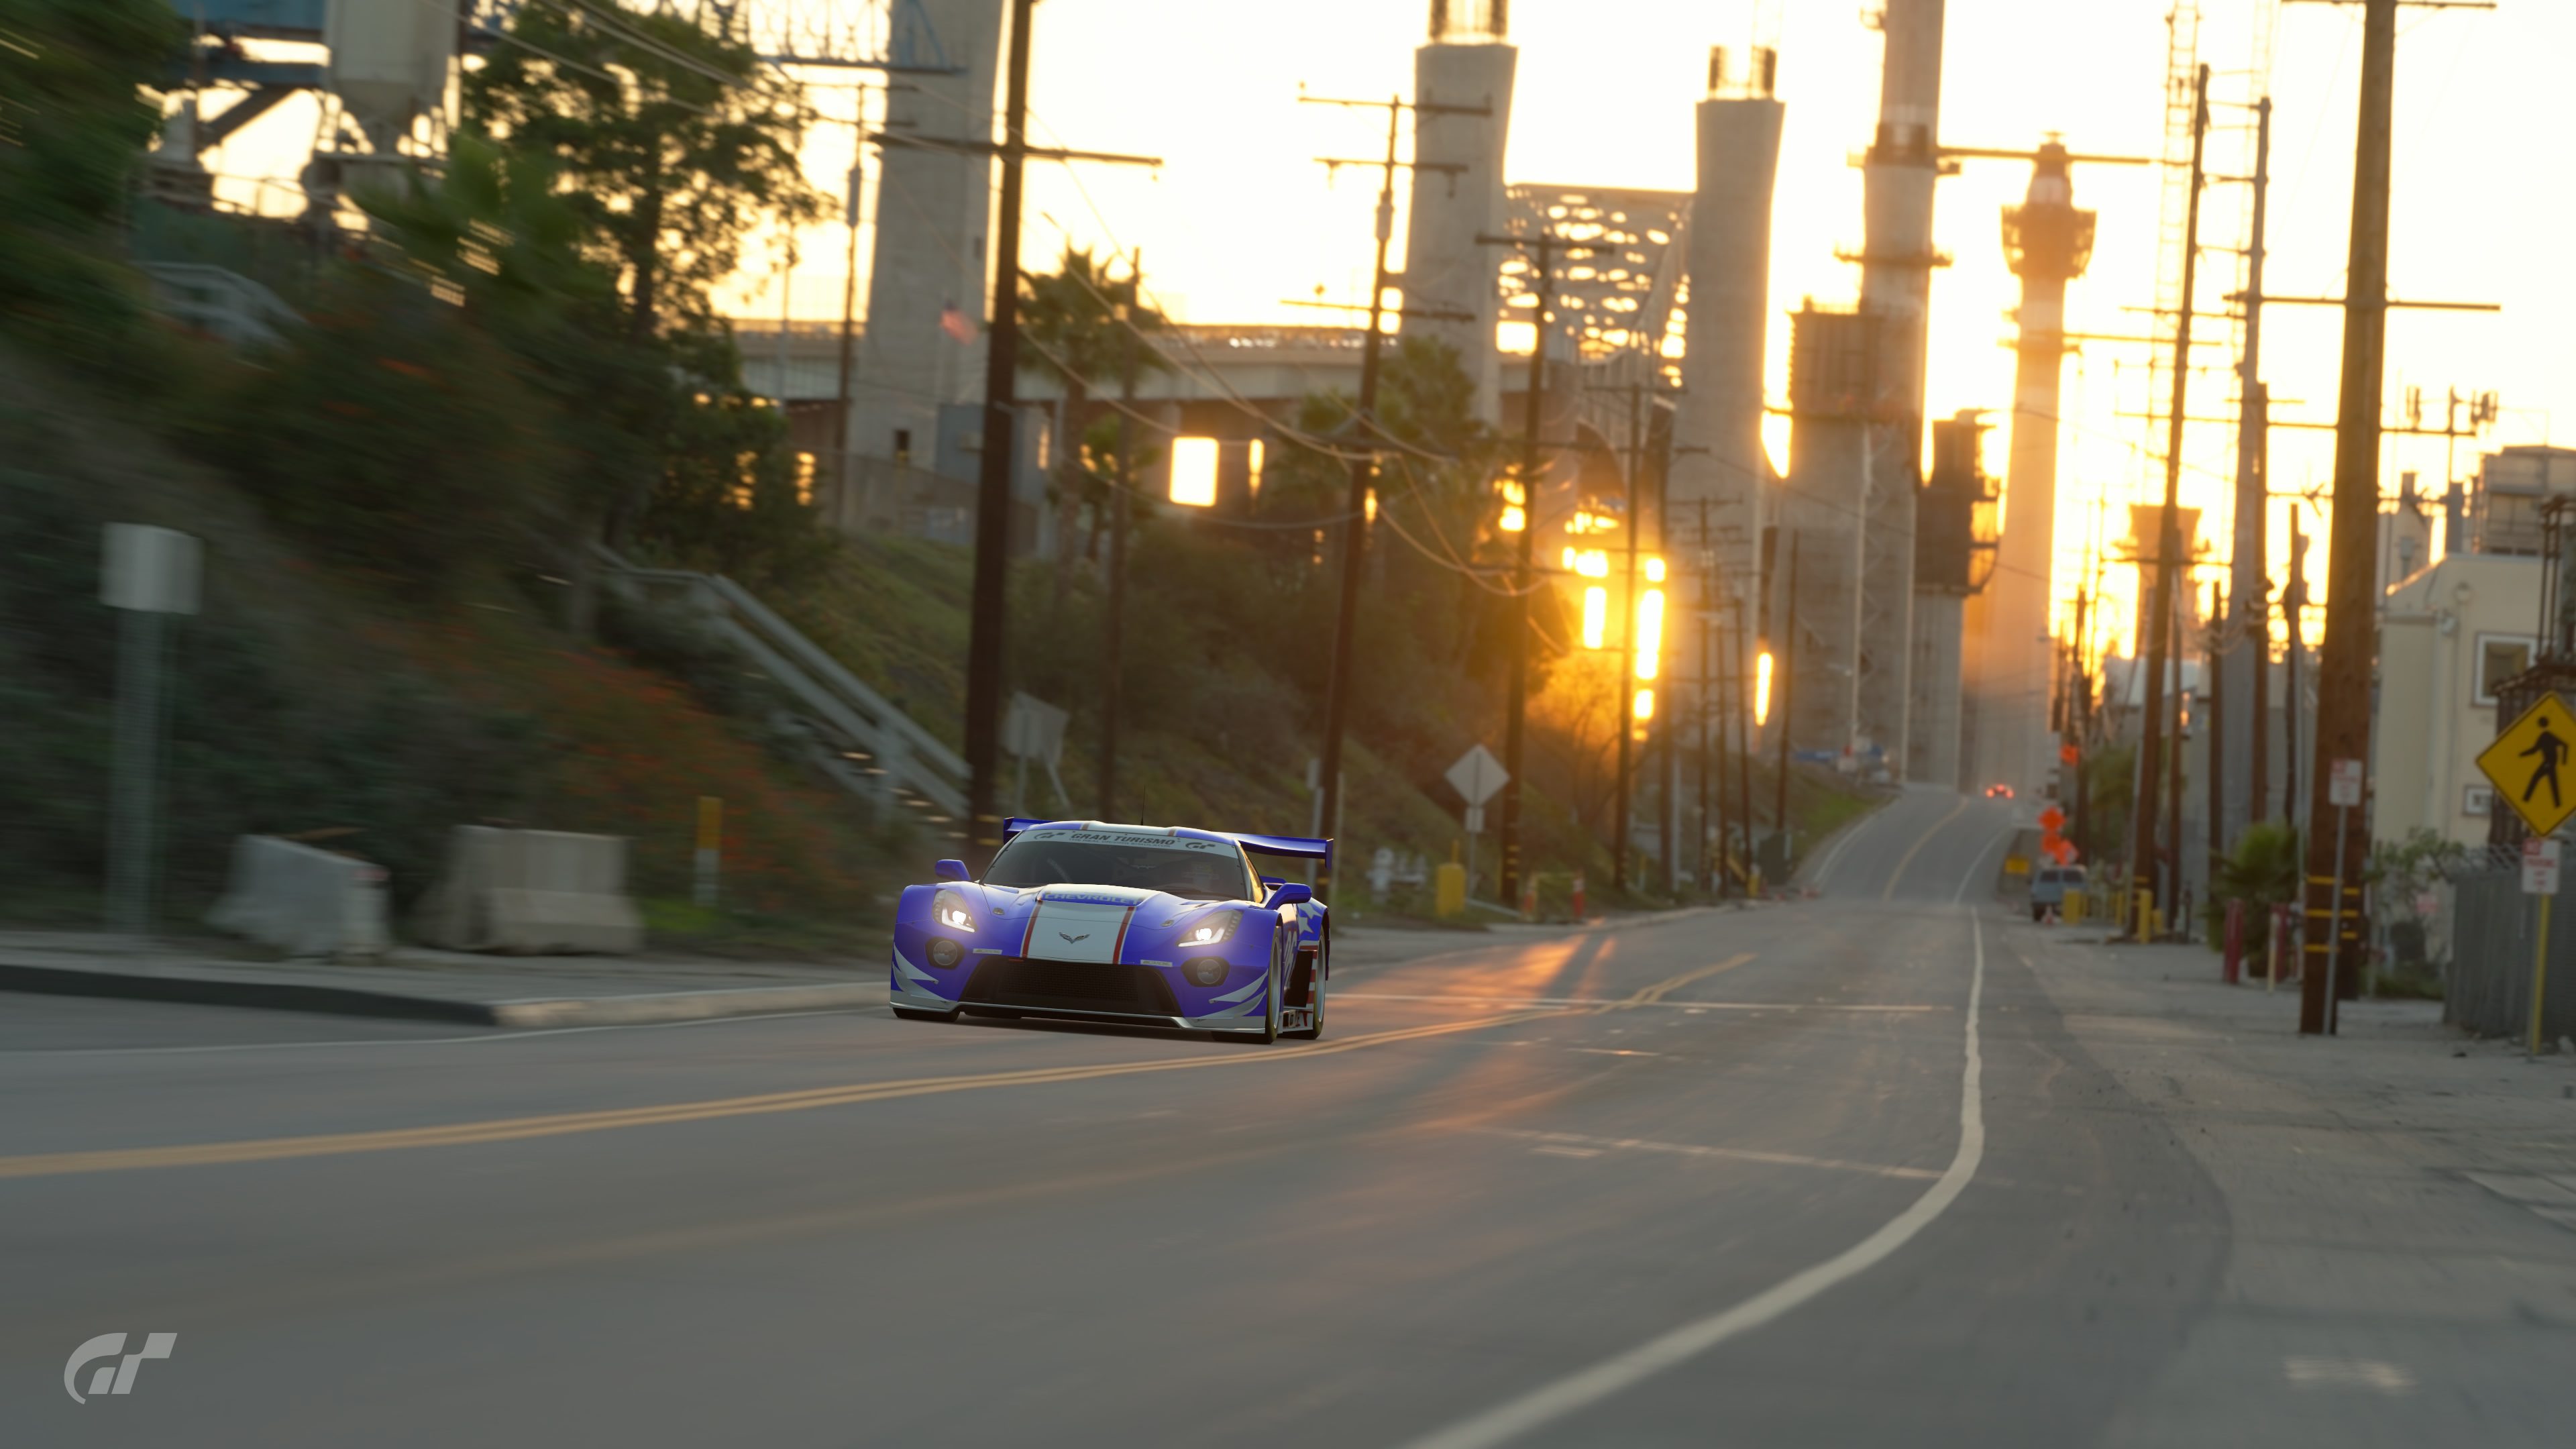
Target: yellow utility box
(1449,890)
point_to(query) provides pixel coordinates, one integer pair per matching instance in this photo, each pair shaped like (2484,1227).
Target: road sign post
(2540,857)
(2343,791)
(148,574)
(1476,776)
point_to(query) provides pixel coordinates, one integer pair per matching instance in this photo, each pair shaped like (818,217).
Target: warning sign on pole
(2539,867)
(2528,764)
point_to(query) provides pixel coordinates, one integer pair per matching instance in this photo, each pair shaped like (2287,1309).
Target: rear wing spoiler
(1295,846)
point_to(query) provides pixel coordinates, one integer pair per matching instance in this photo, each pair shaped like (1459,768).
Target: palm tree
(1069,319)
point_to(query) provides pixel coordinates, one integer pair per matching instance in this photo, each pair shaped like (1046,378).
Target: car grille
(1069,986)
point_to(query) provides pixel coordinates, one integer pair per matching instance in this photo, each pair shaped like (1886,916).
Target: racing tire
(909,1014)
(1278,983)
(1315,993)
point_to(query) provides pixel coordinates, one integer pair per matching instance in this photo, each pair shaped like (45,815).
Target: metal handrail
(911,756)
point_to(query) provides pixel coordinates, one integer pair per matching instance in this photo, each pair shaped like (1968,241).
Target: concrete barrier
(303,901)
(534,893)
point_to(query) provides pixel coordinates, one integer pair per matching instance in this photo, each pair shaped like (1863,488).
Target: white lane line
(1732,1154)
(1551,1402)
(1833,857)
(498,1033)
(1898,874)
(1613,1001)
(1971,877)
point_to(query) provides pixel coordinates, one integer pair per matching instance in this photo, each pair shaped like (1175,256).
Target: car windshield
(1154,863)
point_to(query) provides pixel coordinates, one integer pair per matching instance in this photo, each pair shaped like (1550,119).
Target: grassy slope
(307,700)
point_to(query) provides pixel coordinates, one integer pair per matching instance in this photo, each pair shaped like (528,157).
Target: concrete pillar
(1717,426)
(933,226)
(1898,178)
(1444,265)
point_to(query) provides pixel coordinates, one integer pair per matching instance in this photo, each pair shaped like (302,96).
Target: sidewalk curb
(635,1010)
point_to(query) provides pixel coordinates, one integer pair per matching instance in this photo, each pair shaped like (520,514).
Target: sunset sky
(1240,217)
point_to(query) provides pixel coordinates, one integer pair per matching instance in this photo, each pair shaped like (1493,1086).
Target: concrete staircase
(852,734)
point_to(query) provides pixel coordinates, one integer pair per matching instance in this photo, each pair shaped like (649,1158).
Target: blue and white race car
(1157,926)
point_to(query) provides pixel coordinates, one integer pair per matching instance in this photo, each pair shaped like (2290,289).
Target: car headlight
(1205,970)
(950,910)
(943,952)
(1212,929)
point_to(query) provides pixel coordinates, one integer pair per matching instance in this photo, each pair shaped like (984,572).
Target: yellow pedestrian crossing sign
(2533,765)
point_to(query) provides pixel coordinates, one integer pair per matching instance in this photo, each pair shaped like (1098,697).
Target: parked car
(2050,887)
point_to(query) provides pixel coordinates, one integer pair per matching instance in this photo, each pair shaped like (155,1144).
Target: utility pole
(1710,828)
(849,329)
(1363,467)
(2294,601)
(1744,723)
(1543,249)
(988,609)
(2142,844)
(1627,690)
(2249,654)
(1788,682)
(2218,695)
(988,612)
(2079,716)
(1113,650)
(2344,656)
(2175,916)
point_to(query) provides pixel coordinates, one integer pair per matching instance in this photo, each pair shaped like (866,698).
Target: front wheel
(1270,1012)
(1315,977)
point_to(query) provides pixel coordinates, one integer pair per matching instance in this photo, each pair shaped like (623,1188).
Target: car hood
(1088,923)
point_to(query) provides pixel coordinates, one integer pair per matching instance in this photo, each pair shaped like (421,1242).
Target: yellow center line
(1899,873)
(559,1124)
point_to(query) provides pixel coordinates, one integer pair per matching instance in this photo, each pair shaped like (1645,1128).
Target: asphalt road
(1827,1174)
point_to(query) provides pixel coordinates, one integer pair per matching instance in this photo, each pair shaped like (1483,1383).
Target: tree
(74,128)
(672,143)
(1069,319)
(670,146)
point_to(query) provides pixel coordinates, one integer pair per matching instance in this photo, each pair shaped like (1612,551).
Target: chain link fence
(2492,929)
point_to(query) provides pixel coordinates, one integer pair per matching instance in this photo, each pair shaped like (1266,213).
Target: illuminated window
(1592,563)
(1514,519)
(1645,704)
(1650,633)
(1368,504)
(1252,457)
(1596,616)
(805,478)
(747,475)
(1194,472)
(1654,570)
(1762,689)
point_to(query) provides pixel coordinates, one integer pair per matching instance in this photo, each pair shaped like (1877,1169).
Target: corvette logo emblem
(1070,940)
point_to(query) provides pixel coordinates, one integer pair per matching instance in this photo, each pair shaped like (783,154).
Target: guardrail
(859,737)
(219,301)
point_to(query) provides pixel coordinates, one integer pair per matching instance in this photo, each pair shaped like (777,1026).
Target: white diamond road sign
(1477,775)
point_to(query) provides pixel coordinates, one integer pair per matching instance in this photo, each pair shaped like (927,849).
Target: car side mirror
(952,870)
(1289,895)
(1273,882)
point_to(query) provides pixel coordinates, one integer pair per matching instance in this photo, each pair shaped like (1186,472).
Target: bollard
(2235,967)
(1449,891)
(710,854)
(1578,895)
(2142,914)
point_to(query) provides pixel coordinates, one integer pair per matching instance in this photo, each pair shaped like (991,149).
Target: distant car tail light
(944,953)
(1205,970)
